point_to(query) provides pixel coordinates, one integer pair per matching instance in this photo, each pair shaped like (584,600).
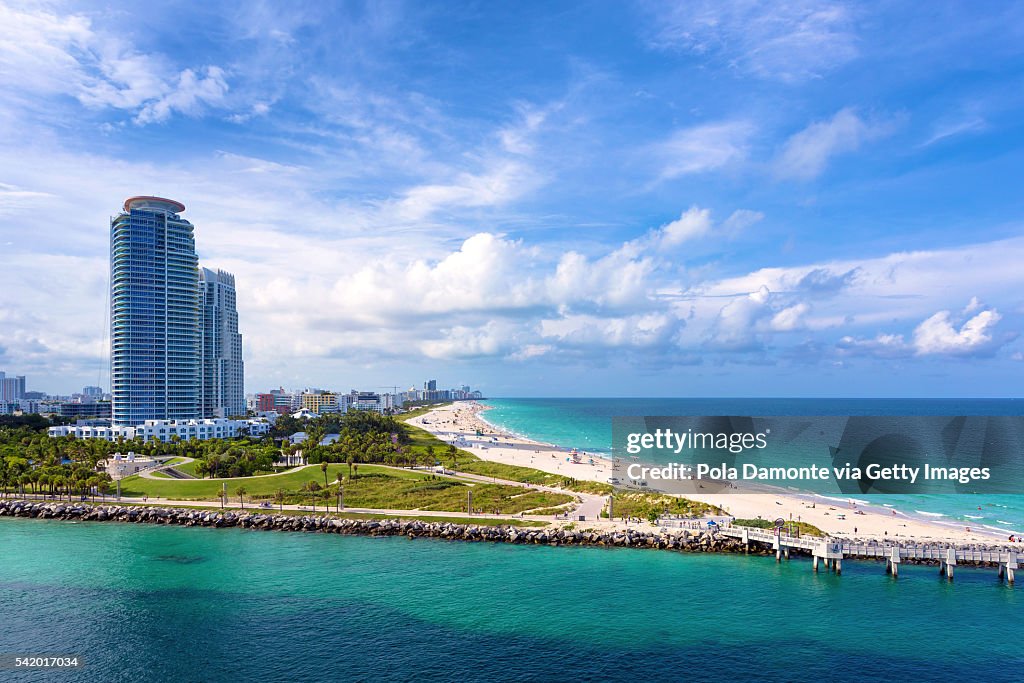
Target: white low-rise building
(166,430)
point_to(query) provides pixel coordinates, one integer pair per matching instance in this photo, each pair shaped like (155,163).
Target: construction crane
(395,388)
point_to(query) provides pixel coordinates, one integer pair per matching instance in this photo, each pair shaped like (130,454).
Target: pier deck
(832,551)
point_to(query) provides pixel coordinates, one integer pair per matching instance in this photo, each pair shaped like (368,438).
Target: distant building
(11,388)
(166,430)
(320,402)
(84,409)
(92,392)
(222,393)
(370,401)
(430,385)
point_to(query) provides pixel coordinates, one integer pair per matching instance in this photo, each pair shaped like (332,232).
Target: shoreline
(699,541)
(458,423)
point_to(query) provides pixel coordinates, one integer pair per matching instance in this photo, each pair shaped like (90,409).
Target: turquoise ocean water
(585,423)
(146,603)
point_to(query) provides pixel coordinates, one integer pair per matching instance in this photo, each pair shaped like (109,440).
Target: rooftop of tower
(159,203)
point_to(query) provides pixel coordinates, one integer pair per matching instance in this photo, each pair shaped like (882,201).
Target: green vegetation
(32,461)
(188,468)
(369,486)
(419,411)
(381,490)
(528,475)
(650,506)
(803,528)
(209,489)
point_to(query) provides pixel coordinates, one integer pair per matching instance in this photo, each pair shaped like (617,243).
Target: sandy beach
(461,422)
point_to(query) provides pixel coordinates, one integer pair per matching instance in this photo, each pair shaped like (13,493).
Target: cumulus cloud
(942,334)
(806,153)
(939,334)
(693,223)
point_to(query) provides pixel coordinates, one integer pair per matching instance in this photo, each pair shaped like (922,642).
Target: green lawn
(266,485)
(188,468)
(373,487)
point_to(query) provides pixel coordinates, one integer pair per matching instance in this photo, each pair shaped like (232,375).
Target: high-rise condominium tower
(222,391)
(154,313)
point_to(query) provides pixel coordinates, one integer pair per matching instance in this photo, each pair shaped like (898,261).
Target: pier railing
(833,550)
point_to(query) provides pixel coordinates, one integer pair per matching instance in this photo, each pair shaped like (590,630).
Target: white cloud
(505,181)
(189,96)
(806,154)
(693,223)
(790,318)
(786,41)
(491,339)
(46,54)
(706,147)
(938,334)
(740,220)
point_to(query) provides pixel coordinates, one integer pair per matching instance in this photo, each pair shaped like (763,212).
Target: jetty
(831,551)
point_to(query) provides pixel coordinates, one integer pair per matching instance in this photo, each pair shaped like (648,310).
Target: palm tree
(279,498)
(323,468)
(350,459)
(241,491)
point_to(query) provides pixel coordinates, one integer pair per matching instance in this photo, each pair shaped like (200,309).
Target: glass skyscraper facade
(222,390)
(155,320)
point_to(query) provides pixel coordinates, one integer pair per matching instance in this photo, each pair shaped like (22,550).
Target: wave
(973,517)
(929,514)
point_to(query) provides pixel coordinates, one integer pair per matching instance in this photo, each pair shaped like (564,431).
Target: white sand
(460,422)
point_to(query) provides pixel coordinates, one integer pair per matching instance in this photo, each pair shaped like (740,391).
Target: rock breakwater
(685,541)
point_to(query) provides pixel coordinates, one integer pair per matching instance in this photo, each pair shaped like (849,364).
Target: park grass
(372,487)
(263,485)
(804,528)
(188,468)
(528,475)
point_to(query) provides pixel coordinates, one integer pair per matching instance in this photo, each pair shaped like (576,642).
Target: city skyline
(815,199)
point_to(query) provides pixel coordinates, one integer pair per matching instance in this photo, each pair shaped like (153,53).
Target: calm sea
(585,423)
(146,603)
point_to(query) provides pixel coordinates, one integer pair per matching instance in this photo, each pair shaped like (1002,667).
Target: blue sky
(625,199)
